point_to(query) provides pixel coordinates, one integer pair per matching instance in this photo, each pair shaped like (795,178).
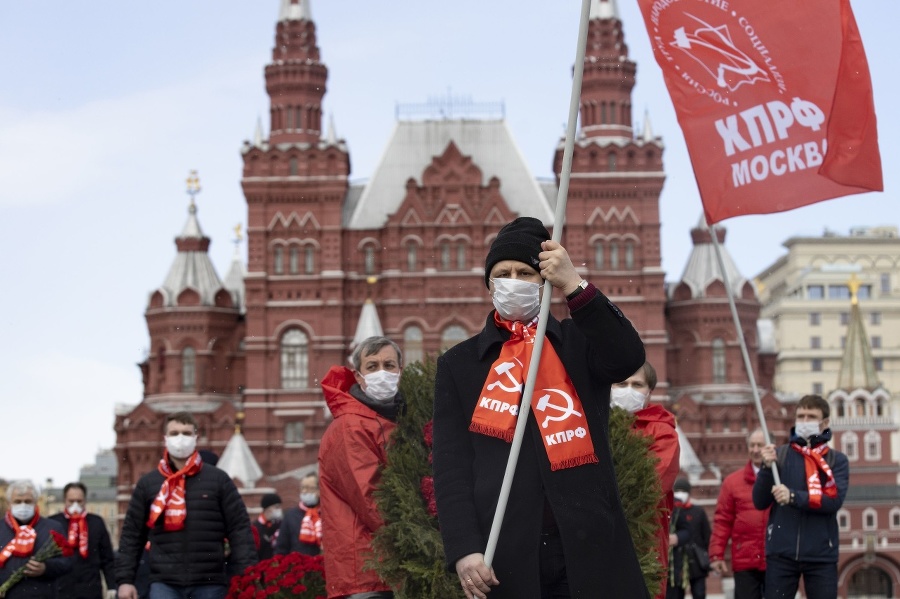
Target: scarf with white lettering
(171,493)
(555,403)
(310,526)
(22,544)
(78,532)
(814,461)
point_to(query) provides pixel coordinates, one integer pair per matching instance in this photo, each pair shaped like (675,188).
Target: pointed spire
(295,10)
(238,461)
(258,134)
(369,324)
(857,365)
(604,9)
(331,136)
(234,280)
(647,135)
(703,267)
(192,226)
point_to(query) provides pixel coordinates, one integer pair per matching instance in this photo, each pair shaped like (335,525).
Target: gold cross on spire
(854,284)
(193,185)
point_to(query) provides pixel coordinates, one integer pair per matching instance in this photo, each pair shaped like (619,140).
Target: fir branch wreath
(408,552)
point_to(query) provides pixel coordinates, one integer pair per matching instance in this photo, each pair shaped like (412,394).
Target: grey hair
(21,486)
(759,430)
(371,346)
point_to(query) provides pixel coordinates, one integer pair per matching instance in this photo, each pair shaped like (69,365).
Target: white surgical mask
(381,385)
(23,512)
(516,300)
(806,429)
(681,496)
(309,499)
(627,398)
(276,515)
(181,446)
(75,509)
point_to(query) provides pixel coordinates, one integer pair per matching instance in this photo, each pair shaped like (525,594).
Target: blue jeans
(783,578)
(161,590)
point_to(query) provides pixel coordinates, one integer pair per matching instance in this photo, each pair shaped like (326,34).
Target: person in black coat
(564,532)
(22,519)
(689,544)
(267,524)
(293,536)
(186,509)
(93,552)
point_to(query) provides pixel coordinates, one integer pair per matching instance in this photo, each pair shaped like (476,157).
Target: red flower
(428,433)
(63,543)
(427,489)
(292,576)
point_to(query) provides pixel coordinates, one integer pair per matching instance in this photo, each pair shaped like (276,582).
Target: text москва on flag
(774,99)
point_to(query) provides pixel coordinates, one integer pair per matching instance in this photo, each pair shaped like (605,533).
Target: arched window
(718,360)
(412,345)
(873,446)
(839,408)
(461,255)
(452,335)
(613,255)
(279,260)
(629,255)
(188,369)
(850,445)
(611,162)
(843,518)
(298,119)
(603,113)
(369,259)
(860,404)
(870,519)
(412,256)
(293,166)
(289,117)
(445,255)
(294,360)
(895,518)
(294,260)
(598,255)
(309,265)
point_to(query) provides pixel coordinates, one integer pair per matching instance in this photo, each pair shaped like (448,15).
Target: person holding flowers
(30,557)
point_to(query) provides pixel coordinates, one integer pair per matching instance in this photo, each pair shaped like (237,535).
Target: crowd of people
(564,533)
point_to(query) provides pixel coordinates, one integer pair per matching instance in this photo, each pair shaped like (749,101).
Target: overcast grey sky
(105,106)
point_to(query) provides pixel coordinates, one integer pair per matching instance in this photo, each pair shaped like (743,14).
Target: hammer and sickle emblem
(502,369)
(565,412)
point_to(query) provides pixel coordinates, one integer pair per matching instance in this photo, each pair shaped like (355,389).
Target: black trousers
(554,583)
(749,584)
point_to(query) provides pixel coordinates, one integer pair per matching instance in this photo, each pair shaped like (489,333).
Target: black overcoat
(84,579)
(598,346)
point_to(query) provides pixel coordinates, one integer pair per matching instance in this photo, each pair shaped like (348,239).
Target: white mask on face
(627,398)
(516,300)
(807,428)
(181,446)
(75,509)
(309,499)
(276,515)
(23,512)
(381,385)
(681,496)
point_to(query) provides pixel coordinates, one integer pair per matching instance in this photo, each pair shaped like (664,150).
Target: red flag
(774,99)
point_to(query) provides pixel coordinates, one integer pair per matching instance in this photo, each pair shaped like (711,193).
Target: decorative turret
(608,75)
(237,460)
(295,80)
(702,269)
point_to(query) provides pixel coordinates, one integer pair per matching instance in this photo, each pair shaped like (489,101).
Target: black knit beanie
(519,240)
(269,499)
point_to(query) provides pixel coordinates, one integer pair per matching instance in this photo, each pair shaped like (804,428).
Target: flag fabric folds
(774,99)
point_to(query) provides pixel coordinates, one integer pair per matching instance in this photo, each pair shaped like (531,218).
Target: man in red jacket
(656,422)
(737,519)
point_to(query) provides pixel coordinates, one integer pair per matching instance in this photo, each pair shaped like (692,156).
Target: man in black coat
(689,544)
(564,533)
(186,509)
(23,533)
(93,552)
(267,524)
(301,529)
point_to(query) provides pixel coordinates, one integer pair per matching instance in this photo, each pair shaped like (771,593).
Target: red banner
(774,99)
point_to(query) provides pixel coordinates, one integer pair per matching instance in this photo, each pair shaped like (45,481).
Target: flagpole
(558,221)
(744,352)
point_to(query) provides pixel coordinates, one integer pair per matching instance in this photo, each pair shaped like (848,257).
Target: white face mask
(381,385)
(627,398)
(181,446)
(75,509)
(807,428)
(309,499)
(681,496)
(276,515)
(516,300)
(23,512)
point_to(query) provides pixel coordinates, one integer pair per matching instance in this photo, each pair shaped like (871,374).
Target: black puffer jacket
(194,555)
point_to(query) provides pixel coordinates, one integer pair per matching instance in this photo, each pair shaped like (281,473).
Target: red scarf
(310,526)
(22,544)
(555,404)
(814,460)
(78,532)
(171,493)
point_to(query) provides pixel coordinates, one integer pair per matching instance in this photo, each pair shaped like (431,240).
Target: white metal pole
(559,220)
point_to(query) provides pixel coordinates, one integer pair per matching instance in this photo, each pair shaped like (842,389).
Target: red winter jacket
(737,519)
(658,423)
(351,455)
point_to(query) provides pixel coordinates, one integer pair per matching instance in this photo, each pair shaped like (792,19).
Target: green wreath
(408,552)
